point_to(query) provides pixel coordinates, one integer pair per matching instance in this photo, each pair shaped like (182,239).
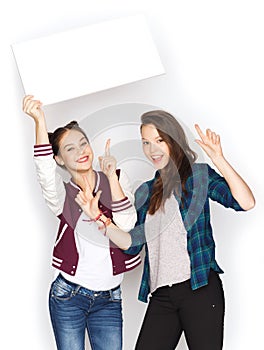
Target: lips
(156,158)
(83,159)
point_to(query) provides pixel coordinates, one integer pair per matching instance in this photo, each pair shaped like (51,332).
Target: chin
(159,167)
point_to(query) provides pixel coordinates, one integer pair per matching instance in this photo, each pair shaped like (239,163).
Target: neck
(79,179)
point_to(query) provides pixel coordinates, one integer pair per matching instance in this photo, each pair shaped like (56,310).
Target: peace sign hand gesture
(87,201)
(210,143)
(108,162)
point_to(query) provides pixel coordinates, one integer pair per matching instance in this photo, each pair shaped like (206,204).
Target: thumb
(100,159)
(98,195)
(200,143)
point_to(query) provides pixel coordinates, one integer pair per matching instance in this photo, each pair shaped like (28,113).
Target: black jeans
(173,310)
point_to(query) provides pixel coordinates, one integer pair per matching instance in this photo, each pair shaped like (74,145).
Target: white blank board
(86,60)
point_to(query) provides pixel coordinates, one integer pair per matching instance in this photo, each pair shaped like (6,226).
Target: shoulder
(199,177)
(71,189)
(203,175)
(143,193)
(145,186)
(199,167)
(203,169)
(199,171)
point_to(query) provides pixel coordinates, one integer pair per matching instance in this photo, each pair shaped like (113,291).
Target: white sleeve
(50,181)
(124,212)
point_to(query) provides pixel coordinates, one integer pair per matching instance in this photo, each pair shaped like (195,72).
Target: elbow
(127,244)
(250,204)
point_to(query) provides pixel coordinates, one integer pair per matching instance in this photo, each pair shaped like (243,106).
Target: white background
(88,59)
(213,55)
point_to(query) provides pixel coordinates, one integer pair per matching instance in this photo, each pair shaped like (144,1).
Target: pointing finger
(199,131)
(107,148)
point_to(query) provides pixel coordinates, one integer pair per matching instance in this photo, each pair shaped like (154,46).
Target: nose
(80,150)
(153,147)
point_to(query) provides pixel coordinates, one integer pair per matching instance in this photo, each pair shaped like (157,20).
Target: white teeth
(82,159)
(156,157)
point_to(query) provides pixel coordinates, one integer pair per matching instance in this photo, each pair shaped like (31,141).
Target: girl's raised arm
(33,108)
(210,143)
(124,212)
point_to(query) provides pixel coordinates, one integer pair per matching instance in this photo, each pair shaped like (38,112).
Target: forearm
(238,187)
(123,210)
(41,132)
(119,237)
(116,189)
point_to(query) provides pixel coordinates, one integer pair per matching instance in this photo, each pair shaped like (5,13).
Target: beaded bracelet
(106,223)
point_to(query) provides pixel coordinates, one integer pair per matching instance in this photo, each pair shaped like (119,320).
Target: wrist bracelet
(105,223)
(96,218)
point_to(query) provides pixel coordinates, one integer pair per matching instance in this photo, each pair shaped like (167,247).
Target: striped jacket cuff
(42,150)
(121,205)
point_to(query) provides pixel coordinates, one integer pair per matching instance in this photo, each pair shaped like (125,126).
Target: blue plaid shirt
(204,184)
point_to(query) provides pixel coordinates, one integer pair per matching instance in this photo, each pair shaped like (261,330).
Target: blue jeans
(73,309)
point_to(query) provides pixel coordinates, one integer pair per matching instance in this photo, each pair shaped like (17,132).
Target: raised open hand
(107,162)
(210,142)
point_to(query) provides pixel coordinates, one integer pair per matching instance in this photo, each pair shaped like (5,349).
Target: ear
(59,160)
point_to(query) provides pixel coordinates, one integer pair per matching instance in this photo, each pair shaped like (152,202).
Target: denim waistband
(76,286)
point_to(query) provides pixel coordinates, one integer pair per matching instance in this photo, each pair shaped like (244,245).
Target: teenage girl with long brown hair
(181,274)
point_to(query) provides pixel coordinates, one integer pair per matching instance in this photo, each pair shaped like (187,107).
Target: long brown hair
(175,174)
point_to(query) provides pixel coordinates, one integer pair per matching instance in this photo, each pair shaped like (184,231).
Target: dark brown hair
(175,174)
(56,136)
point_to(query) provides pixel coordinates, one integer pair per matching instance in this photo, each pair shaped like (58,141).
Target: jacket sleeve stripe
(137,262)
(137,257)
(120,205)
(42,150)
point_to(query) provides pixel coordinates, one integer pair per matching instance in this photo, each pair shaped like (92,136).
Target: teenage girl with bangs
(181,275)
(89,267)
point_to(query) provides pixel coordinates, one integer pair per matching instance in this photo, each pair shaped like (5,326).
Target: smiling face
(75,152)
(154,147)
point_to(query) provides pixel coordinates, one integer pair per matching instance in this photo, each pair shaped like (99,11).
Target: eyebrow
(158,137)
